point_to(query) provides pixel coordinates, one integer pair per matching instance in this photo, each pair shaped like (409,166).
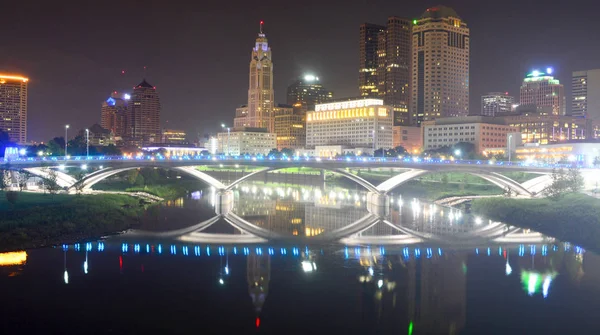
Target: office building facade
(410,138)
(143,115)
(290,126)
(174,136)
(495,103)
(393,67)
(483,132)
(253,141)
(585,92)
(546,94)
(114,114)
(13,107)
(363,123)
(440,65)
(367,68)
(547,128)
(308,92)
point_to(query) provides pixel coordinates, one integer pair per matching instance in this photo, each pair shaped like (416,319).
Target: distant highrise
(440,67)
(541,90)
(13,107)
(496,102)
(114,114)
(260,91)
(393,67)
(367,69)
(143,116)
(308,92)
(586,94)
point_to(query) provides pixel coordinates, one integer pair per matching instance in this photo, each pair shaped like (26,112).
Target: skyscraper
(586,94)
(13,107)
(545,93)
(143,115)
(260,91)
(496,102)
(440,66)
(393,67)
(308,91)
(367,69)
(114,114)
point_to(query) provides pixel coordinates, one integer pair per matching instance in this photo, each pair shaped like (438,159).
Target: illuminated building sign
(348,104)
(345,114)
(13,258)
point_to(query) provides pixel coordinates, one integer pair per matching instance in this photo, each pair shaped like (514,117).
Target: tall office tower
(367,69)
(586,94)
(260,91)
(541,90)
(143,115)
(114,113)
(308,92)
(13,107)
(393,67)
(496,102)
(440,66)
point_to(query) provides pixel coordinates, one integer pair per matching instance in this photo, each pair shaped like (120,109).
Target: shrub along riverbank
(37,220)
(574,218)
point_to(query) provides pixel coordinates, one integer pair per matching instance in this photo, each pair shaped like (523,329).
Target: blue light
(533,250)
(125,247)
(111,102)
(100,246)
(76,246)
(136,248)
(382,250)
(207,250)
(65,247)
(246,251)
(489,252)
(271,251)
(346,252)
(235,250)
(357,251)
(418,252)
(173,250)
(197,250)
(160,249)
(477,251)
(147,248)
(440,251)
(185,250)
(499,251)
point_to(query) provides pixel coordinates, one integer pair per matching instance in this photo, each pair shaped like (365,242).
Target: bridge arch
(493,177)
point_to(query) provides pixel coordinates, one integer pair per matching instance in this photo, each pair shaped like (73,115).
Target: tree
(287,152)
(50,181)
(559,184)
(56,146)
(444,180)
(273,153)
(575,180)
(11,197)
(22,177)
(132,176)
(110,150)
(400,150)
(4,142)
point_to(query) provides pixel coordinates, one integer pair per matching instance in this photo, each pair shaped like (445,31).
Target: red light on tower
(262,22)
(506,93)
(257,322)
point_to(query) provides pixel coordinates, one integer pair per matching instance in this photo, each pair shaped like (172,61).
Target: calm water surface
(323,262)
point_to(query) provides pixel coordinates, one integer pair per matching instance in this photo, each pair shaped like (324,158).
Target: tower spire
(261,26)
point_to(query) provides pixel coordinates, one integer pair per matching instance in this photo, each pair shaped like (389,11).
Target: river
(322,261)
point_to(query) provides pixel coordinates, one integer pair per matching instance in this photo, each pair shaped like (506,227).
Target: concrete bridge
(402,170)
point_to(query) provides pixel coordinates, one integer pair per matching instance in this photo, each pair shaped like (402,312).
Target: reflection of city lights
(379,283)
(13,258)
(508,269)
(308,266)
(66,277)
(221,281)
(371,271)
(226,270)
(478,220)
(532,283)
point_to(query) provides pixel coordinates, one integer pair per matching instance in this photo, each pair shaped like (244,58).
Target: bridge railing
(384,161)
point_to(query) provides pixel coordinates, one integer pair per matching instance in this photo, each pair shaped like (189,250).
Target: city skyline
(67,63)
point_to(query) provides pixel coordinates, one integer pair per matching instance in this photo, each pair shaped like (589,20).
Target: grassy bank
(168,189)
(575,218)
(38,220)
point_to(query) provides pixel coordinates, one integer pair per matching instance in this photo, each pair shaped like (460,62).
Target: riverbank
(37,220)
(574,218)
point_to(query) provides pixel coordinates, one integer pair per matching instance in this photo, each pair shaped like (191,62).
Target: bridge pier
(378,203)
(223,202)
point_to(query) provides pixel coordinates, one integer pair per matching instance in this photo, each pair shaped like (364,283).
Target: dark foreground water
(431,271)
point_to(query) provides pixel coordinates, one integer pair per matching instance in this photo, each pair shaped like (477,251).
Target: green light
(410,328)
(415,21)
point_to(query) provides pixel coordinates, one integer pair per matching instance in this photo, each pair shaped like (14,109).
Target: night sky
(197,53)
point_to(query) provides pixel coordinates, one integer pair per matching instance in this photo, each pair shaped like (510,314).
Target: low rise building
(174,136)
(483,132)
(362,123)
(410,138)
(575,152)
(253,141)
(548,128)
(175,150)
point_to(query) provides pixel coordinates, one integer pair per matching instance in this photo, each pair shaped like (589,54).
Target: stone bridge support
(223,202)
(378,203)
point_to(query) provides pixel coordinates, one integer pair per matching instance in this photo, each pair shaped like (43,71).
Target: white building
(586,94)
(496,102)
(251,141)
(440,65)
(362,123)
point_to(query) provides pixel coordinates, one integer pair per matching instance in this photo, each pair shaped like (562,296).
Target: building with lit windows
(545,129)
(496,102)
(546,94)
(143,115)
(363,123)
(253,141)
(576,152)
(174,136)
(308,92)
(259,111)
(13,107)
(410,138)
(393,67)
(585,89)
(440,65)
(484,132)
(290,126)
(114,113)
(367,68)
(99,136)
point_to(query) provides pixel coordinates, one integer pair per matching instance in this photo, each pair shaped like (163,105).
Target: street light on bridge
(66,141)
(228,130)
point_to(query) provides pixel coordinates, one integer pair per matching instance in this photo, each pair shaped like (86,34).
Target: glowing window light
(13,258)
